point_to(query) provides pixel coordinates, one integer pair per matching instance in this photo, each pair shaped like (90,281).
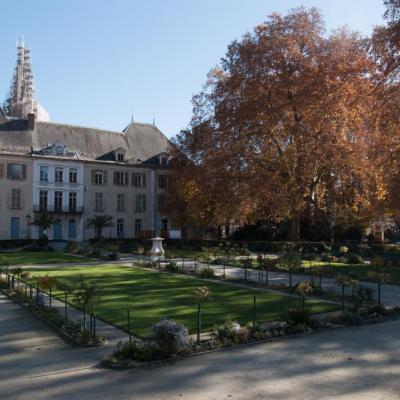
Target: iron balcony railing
(65,209)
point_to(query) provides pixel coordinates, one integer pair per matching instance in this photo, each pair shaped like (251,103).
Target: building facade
(74,173)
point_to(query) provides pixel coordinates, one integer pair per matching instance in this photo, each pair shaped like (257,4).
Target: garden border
(159,363)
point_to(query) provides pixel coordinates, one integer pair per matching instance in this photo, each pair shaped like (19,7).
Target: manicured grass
(152,295)
(364,271)
(181,253)
(37,258)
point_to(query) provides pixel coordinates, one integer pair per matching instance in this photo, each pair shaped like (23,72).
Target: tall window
(58,176)
(16,198)
(138,226)
(139,180)
(120,157)
(120,202)
(58,197)
(43,200)
(72,201)
(44,173)
(120,227)
(162,181)
(120,178)
(71,229)
(73,175)
(98,202)
(140,205)
(16,172)
(99,177)
(15,228)
(161,200)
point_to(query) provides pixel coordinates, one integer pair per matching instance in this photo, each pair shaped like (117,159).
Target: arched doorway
(57,229)
(71,229)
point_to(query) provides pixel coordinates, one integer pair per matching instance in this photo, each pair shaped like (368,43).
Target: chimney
(31,121)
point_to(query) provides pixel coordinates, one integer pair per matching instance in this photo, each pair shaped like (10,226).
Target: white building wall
(66,187)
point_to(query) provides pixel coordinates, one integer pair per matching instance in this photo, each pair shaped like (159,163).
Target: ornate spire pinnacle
(21,100)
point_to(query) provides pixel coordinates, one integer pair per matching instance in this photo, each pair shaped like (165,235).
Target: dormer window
(59,149)
(119,155)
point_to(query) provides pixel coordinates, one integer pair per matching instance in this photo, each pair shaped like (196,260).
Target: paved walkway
(358,363)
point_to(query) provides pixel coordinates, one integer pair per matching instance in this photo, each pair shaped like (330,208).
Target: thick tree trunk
(219,232)
(227,230)
(293,233)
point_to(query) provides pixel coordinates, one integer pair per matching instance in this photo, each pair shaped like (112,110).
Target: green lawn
(180,253)
(152,295)
(45,257)
(364,271)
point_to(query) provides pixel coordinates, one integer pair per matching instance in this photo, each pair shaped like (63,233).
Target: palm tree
(99,222)
(44,221)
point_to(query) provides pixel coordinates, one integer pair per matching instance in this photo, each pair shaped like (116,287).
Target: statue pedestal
(157,252)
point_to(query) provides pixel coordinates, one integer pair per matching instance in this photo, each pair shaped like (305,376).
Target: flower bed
(73,333)
(171,341)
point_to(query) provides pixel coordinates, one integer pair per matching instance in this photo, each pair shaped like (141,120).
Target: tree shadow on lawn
(153,295)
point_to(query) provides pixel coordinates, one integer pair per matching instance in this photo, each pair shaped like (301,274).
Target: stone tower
(21,100)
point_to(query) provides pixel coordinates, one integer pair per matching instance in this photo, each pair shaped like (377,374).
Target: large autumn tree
(385,141)
(279,130)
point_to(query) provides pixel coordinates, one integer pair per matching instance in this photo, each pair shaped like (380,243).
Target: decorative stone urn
(157,252)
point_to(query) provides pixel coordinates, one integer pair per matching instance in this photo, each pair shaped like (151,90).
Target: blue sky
(94,60)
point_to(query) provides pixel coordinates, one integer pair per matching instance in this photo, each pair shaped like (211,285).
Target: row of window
(99,177)
(58,174)
(120,178)
(58,201)
(15,229)
(140,202)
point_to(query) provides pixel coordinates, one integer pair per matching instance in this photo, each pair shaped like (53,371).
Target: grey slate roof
(140,141)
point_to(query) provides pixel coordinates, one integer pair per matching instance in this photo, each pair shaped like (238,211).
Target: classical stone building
(74,173)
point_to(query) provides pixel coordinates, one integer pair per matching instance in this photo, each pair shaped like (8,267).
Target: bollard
(65,307)
(198,322)
(94,322)
(129,332)
(254,310)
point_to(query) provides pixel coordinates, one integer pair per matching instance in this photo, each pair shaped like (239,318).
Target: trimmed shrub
(207,273)
(171,337)
(114,256)
(354,259)
(172,267)
(143,351)
(32,247)
(226,331)
(296,316)
(72,247)
(351,318)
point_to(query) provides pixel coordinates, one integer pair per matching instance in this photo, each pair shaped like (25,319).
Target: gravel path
(350,363)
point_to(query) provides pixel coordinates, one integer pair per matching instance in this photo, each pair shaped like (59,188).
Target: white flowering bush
(41,299)
(171,337)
